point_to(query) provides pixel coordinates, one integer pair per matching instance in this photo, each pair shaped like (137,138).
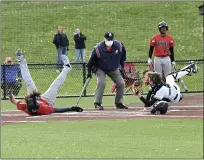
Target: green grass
(141,138)
(31,26)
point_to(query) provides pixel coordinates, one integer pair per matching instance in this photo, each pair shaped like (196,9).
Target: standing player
(108,56)
(41,104)
(162,45)
(161,93)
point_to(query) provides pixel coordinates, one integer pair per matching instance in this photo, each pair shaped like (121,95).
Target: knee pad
(160,107)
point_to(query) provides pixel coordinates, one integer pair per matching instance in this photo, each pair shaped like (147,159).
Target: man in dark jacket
(62,45)
(108,56)
(79,39)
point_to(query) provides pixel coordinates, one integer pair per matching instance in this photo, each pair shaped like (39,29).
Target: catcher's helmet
(160,107)
(163,24)
(155,77)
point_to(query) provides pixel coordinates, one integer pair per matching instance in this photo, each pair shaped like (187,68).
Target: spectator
(9,80)
(79,39)
(62,45)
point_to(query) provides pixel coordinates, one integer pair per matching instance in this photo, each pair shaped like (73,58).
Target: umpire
(108,57)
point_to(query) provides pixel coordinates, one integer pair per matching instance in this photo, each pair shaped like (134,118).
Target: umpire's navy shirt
(107,60)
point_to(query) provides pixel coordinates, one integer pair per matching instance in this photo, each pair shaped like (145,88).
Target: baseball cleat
(194,67)
(120,106)
(65,60)
(98,106)
(19,56)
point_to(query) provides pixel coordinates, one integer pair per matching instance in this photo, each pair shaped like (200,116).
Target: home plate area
(179,112)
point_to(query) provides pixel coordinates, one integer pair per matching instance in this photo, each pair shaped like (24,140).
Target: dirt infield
(190,108)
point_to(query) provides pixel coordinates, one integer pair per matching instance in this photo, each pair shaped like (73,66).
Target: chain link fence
(44,74)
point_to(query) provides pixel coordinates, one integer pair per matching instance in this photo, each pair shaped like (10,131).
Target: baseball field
(132,133)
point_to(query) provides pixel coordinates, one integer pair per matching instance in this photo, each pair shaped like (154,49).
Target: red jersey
(162,45)
(44,108)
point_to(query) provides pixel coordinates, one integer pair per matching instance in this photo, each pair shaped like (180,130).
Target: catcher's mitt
(137,86)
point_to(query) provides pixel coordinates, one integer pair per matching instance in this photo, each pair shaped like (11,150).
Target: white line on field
(2,111)
(13,115)
(181,110)
(22,121)
(117,110)
(118,116)
(172,116)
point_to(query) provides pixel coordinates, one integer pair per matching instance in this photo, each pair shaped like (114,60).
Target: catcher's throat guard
(160,107)
(33,105)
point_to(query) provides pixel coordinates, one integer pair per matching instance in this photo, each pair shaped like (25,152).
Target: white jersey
(170,92)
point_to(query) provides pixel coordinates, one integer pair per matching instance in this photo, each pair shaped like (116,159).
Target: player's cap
(109,36)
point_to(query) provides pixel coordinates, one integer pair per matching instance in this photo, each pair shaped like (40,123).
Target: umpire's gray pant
(101,82)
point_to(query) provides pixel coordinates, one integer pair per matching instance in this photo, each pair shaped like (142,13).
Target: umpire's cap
(109,36)
(163,24)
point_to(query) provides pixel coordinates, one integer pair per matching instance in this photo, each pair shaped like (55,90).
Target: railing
(44,74)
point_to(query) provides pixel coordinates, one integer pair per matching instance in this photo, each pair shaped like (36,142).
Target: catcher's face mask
(32,104)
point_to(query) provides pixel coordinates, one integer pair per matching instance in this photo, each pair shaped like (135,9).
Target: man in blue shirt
(9,74)
(108,57)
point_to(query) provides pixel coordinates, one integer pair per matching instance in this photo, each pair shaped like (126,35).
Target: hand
(89,75)
(139,94)
(173,63)
(149,61)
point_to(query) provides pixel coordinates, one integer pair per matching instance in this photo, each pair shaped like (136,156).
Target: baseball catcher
(161,94)
(35,103)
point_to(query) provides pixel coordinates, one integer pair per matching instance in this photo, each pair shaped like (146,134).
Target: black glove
(77,109)
(89,75)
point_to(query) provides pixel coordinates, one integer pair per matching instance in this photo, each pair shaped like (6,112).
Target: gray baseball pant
(101,83)
(162,65)
(51,94)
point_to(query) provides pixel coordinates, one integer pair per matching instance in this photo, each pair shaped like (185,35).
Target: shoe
(194,67)
(19,56)
(65,60)
(98,106)
(120,106)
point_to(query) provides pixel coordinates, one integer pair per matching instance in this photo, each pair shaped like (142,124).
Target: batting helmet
(32,104)
(163,24)
(160,107)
